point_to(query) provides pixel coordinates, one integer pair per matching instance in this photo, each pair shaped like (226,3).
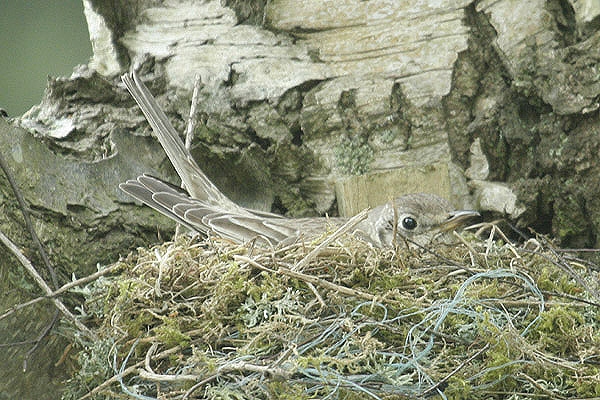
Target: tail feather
(196,182)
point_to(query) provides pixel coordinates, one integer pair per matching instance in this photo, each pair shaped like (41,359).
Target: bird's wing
(138,190)
(205,217)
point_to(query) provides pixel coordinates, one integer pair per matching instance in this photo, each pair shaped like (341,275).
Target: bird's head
(419,217)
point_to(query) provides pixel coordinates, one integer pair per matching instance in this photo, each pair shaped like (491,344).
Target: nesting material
(208,319)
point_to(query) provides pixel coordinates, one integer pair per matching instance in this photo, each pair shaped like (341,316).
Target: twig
(549,393)
(44,286)
(63,357)
(191,126)
(237,366)
(38,341)
(17,343)
(439,256)
(148,357)
(507,241)
(567,250)
(566,268)
(28,223)
(61,290)
(16,308)
(351,223)
(279,372)
(261,369)
(472,251)
(197,385)
(166,378)
(128,371)
(311,279)
(162,261)
(316,293)
(434,387)
(570,297)
(581,262)
(38,244)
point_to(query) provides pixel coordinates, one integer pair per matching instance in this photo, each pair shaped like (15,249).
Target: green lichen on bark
(353,155)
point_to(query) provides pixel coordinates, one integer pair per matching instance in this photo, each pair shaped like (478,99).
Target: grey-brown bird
(204,208)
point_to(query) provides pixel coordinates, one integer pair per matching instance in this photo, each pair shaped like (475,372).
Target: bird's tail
(196,182)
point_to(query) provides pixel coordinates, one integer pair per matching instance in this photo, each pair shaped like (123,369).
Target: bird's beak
(456,219)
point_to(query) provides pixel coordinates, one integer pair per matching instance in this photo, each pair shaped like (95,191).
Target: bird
(202,207)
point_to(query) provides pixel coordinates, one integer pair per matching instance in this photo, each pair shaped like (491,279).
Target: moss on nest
(207,319)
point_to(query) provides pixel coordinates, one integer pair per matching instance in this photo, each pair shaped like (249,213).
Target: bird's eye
(409,223)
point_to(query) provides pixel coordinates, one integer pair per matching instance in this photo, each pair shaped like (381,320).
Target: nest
(207,319)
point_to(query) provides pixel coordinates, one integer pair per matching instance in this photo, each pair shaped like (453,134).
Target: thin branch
(197,385)
(38,244)
(16,308)
(166,378)
(17,343)
(191,125)
(548,392)
(61,290)
(437,385)
(28,223)
(127,371)
(189,130)
(44,286)
(562,264)
(38,341)
(352,222)
(440,257)
(311,279)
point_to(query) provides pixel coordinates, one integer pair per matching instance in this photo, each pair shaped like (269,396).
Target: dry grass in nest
(207,319)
